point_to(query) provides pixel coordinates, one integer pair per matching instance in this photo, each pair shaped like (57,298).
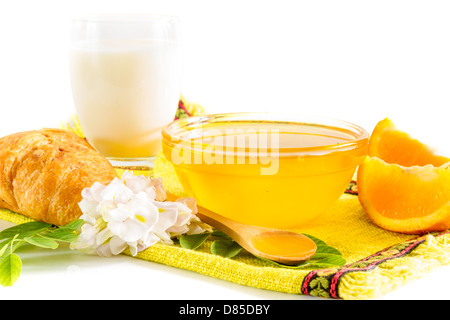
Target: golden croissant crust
(43,172)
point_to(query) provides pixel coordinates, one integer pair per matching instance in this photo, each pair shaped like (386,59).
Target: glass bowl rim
(360,134)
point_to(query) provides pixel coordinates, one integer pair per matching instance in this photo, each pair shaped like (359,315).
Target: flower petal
(103,236)
(150,239)
(132,230)
(120,213)
(190,203)
(104,250)
(117,245)
(135,183)
(160,193)
(116,191)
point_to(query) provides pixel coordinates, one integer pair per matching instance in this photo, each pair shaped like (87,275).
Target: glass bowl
(267,169)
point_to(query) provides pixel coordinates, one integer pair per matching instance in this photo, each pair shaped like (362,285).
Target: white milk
(124,93)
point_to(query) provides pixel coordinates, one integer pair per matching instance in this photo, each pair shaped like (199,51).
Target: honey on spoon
(282,246)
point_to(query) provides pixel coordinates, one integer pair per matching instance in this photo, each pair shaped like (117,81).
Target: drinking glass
(126,83)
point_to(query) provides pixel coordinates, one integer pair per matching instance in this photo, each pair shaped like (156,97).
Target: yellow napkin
(378,261)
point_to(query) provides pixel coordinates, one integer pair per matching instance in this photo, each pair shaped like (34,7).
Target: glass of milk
(126,83)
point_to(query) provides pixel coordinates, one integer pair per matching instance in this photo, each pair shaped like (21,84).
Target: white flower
(131,213)
(116,192)
(86,239)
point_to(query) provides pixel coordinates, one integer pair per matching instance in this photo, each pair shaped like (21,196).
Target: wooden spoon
(282,246)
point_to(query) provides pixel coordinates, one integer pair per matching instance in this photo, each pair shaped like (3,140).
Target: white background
(360,61)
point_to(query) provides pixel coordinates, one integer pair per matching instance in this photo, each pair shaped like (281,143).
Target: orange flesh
(395,146)
(405,199)
(400,193)
(285,245)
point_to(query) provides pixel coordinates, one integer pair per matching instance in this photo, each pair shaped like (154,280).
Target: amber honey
(285,245)
(263,169)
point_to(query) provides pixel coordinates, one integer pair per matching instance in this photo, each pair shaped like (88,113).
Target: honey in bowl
(264,169)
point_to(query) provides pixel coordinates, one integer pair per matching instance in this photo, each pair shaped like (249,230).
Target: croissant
(43,172)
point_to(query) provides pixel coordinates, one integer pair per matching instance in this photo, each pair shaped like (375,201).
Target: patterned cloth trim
(182,111)
(352,188)
(325,282)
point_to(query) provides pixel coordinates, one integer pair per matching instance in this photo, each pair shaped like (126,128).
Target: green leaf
(332,261)
(317,241)
(220,234)
(73,226)
(62,235)
(42,242)
(300,265)
(10,269)
(193,241)
(36,233)
(322,247)
(225,248)
(3,246)
(328,262)
(24,230)
(328,250)
(325,256)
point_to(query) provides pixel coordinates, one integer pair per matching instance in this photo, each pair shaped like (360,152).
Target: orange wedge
(405,199)
(395,146)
